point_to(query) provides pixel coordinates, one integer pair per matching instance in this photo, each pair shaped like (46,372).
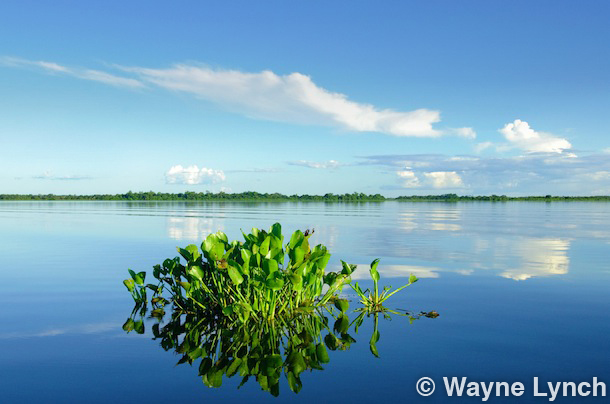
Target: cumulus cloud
(530,174)
(315,164)
(444,179)
(432,179)
(519,134)
(408,179)
(193,175)
(293,98)
(86,74)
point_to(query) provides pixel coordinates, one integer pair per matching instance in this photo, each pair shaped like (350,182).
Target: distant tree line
(499,198)
(197,196)
(257,196)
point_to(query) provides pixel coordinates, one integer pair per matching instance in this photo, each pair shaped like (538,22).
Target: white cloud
(434,179)
(292,97)
(408,179)
(86,74)
(467,133)
(48,175)
(479,147)
(519,134)
(193,175)
(314,164)
(444,179)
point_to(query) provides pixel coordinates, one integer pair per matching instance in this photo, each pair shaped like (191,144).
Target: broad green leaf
(222,236)
(323,261)
(270,267)
(129,284)
(342,324)
(342,305)
(297,282)
(196,272)
(129,325)
(322,353)
(213,378)
(294,382)
(140,277)
(274,283)
(138,326)
(235,275)
(276,230)
(205,366)
(264,247)
(192,248)
(227,310)
(295,239)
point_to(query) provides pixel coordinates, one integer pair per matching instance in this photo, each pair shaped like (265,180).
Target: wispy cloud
(293,98)
(255,170)
(85,74)
(332,164)
(48,175)
(193,175)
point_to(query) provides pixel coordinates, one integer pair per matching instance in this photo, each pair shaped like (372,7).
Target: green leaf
(129,325)
(297,282)
(233,367)
(274,283)
(138,326)
(294,382)
(413,278)
(129,284)
(322,353)
(213,378)
(276,230)
(373,270)
(235,275)
(270,267)
(196,272)
(227,310)
(347,270)
(192,248)
(295,239)
(342,305)
(140,277)
(373,343)
(264,247)
(205,366)
(342,324)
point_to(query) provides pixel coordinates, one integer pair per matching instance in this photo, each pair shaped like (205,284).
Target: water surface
(522,289)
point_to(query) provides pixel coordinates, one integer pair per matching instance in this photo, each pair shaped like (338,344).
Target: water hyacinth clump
(259,278)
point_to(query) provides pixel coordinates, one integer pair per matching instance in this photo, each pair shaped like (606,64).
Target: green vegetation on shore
(257,196)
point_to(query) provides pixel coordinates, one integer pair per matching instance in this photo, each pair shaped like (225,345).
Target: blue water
(522,290)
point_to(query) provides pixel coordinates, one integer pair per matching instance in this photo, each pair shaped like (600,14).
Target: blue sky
(399,97)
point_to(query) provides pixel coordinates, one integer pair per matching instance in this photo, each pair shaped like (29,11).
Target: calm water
(523,290)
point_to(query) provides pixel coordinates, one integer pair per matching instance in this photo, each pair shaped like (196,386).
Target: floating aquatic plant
(221,348)
(255,308)
(373,302)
